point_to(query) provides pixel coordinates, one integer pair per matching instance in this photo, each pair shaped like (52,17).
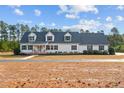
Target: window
(24,47)
(49,38)
(55,47)
(67,38)
(89,47)
(47,47)
(30,47)
(101,47)
(31,38)
(74,47)
(51,47)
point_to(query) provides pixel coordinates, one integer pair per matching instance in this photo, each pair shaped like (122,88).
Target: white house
(62,42)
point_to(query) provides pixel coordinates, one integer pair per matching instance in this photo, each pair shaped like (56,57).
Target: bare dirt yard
(61,75)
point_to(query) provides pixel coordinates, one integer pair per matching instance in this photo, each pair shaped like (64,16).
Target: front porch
(33,49)
(39,49)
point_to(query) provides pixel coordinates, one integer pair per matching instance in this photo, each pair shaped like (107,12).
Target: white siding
(106,47)
(65,48)
(95,47)
(25,51)
(82,48)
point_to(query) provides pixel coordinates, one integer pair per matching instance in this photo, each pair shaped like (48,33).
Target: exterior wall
(25,51)
(66,48)
(82,48)
(63,48)
(95,47)
(106,47)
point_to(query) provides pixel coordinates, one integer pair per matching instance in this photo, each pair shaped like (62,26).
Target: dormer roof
(76,37)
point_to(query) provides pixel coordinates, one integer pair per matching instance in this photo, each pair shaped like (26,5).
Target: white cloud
(53,24)
(91,25)
(84,24)
(120,7)
(25,21)
(42,24)
(18,12)
(71,16)
(120,18)
(83,8)
(108,19)
(37,12)
(63,8)
(98,18)
(75,10)
(109,25)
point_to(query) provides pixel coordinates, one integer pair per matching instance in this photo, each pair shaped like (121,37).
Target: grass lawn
(9,55)
(71,57)
(119,48)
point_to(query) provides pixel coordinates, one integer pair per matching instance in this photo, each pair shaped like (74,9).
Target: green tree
(3,30)
(33,29)
(44,29)
(87,31)
(114,31)
(13,32)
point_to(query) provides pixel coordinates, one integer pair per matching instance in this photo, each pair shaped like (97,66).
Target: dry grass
(13,74)
(64,57)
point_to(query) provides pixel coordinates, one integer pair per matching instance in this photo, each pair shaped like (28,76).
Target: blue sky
(94,18)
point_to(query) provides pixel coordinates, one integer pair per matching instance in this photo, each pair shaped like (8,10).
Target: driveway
(80,60)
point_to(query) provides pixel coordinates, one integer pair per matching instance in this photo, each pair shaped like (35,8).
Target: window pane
(31,38)
(56,47)
(49,38)
(24,47)
(51,47)
(89,47)
(101,47)
(47,47)
(67,38)
(30,47)
(74,47)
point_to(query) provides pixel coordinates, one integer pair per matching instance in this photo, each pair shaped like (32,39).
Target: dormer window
(67,37)
(49,38)
(32,37)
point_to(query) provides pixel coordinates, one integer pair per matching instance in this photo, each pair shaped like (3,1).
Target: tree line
(10,35)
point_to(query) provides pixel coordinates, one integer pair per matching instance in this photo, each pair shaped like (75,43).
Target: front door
(41,48)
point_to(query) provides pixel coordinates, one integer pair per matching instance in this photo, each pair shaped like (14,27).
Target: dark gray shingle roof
(81,38)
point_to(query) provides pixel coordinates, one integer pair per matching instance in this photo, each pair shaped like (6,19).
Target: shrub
(85,52)
(95,52)
(105,52)
(111,51)
(16,51)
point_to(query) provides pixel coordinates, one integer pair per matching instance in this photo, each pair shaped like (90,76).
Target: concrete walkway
(119,54)
(29,57)
(80,60)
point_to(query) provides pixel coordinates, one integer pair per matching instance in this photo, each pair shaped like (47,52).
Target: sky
(73,17)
